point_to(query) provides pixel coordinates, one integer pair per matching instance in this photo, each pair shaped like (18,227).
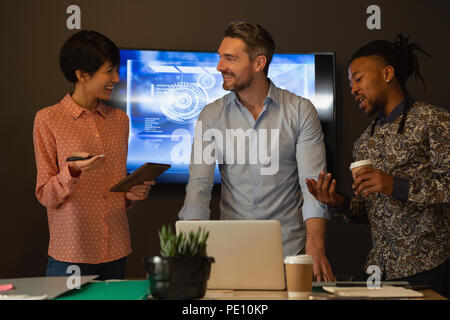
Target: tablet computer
(147,172)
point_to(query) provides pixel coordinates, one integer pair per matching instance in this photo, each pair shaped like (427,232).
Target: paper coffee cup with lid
(299,274)
(355,166)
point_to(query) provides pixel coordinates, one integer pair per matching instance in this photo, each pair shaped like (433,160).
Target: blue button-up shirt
(271,187)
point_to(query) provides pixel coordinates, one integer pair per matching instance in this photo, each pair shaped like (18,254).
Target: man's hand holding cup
(368,180)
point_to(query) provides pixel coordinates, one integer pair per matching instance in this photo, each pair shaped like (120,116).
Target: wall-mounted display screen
(163,93)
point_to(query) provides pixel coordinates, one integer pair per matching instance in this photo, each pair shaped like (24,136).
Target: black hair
(258,40)
(87,51)
(401,56)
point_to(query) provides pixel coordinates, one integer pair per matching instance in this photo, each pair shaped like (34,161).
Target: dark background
(32,33)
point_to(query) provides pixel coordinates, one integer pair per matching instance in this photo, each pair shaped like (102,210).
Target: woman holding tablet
(87,223)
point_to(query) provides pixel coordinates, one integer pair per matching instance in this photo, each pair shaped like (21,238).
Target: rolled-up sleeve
(201,179)
(311,159)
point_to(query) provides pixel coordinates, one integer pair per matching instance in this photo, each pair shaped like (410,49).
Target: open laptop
(248,253)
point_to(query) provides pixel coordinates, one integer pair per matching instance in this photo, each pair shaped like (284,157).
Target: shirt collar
(273,95)
(397,112)
(76,110)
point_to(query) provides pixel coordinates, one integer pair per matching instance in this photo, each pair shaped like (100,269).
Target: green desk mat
(117,290)
(109,290)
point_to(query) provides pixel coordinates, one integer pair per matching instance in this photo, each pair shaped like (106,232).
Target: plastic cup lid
(361,163)
(300,259)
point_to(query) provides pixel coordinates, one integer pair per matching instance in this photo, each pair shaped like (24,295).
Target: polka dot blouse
(87,223)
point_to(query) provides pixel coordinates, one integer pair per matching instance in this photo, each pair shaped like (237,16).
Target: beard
(376,106)
(239,85)
(373,110)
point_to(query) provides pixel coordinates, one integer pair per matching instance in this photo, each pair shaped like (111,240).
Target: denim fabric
(108,270)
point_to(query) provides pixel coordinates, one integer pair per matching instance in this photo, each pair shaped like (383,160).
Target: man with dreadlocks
(405,196)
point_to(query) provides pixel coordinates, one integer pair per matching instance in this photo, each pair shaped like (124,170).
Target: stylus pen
(76,158)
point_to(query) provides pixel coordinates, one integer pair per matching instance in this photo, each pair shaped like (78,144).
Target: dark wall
(32,33)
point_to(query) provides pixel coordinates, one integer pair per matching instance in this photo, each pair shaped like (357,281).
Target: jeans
(108,270)
(437,278)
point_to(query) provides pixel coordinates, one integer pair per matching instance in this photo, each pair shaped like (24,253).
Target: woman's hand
(140,191)
(76,167)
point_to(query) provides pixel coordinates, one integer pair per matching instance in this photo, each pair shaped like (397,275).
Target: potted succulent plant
(183,269)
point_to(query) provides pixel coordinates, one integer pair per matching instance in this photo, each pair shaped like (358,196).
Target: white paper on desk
(383,292)
(22,297)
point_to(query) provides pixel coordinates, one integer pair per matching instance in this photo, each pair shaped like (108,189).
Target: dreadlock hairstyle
(401,56)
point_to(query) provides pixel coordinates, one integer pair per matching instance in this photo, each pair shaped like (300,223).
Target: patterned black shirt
(409,235)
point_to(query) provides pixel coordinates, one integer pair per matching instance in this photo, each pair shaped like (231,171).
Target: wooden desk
(138,289)
(282,295)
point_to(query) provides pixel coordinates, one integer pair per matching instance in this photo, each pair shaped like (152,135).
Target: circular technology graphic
(183,101)
(206,81)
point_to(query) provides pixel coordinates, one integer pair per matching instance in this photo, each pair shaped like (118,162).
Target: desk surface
(282,295)
(139,290)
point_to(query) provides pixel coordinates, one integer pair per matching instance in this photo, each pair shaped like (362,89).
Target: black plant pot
(178,278)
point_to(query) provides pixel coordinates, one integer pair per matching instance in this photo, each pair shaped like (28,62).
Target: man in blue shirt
(267,180)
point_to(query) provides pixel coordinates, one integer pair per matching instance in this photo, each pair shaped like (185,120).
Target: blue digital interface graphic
(166,90)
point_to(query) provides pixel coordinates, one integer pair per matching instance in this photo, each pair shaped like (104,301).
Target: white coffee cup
(355,166)
(299,274)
